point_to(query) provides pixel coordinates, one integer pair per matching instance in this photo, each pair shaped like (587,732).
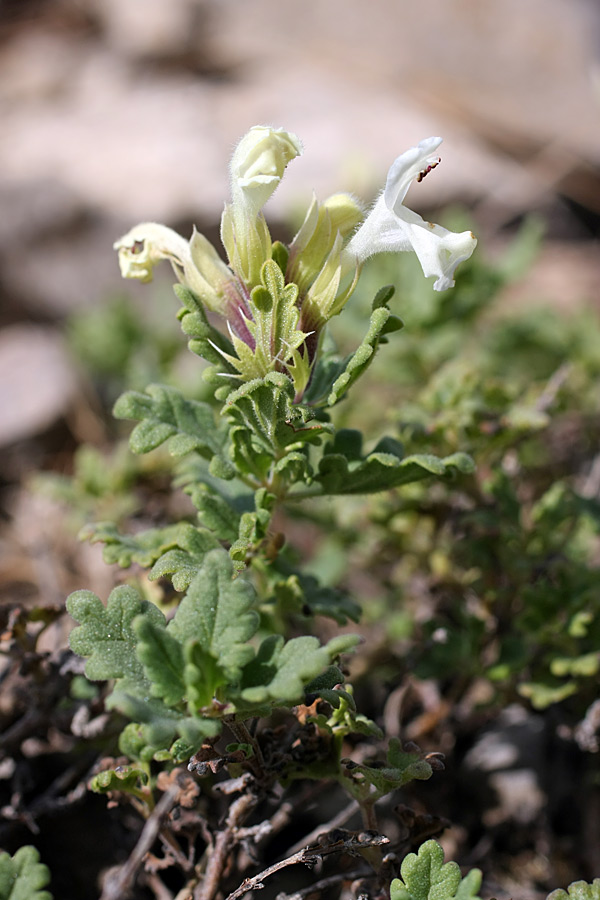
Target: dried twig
(118,882)
(217,861)
(325,883)
(308,857)
(338,820)
(336,841)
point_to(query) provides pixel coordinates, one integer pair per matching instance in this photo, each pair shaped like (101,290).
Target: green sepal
(164,414)
(23,875)
(578,890)
(425,876)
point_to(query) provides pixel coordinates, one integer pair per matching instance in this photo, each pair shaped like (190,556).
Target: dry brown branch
(118,882)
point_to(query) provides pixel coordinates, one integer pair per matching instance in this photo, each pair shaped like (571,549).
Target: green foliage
(183,676)
(334,377)
(374,781)
(425,876)
(342,469)
(578,890)
(23,875)
(165,415)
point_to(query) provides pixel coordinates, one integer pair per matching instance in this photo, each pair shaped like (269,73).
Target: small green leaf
(146,547)
(162,658)
(578,890)
(381,471)
(426,877)
(402,766)
(266,423)
(166,415)
(105,634)
(128,779)
(382,322)
(23,875)
(280,671)
(217,613)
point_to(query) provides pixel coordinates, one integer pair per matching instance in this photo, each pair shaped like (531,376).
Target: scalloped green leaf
(217,613)
(162,658)
(280,671)
(578,890)
(382,322)
(164,414)
(304,594)
(425,876)
(105,633)
(146,547)
(23,875)
(380,471)
(128,779)
(402,767)
(266,423)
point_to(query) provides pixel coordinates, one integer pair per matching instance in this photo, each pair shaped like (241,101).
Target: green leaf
(23,875)
(382,322)
(402,767)
(149,546)
(426,877)
(166,415)
(217,613)
(382,469)
(578,890)
(128,779)
(105,634)
(215,512)
(280,671)
(162,658)
(253,527)
(304,594)
(266,424)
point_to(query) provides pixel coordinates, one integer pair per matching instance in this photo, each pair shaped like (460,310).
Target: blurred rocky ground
(115,112)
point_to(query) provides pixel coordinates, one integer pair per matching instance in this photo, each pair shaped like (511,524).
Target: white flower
(390,226)
(196,262)
(258,164)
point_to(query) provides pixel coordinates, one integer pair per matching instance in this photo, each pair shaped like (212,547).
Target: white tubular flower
(390,226)
(258,164)
(195,263)
(145,245)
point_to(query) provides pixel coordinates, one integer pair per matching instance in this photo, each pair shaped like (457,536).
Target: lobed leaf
(578,890)
(382,322)
(425,876)
(166,415)
(402,767)
(384,468)
(105,634)
(217,613)
(280,671)
(23,875)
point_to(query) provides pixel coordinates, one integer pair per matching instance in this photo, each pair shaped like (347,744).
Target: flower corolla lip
(391,226)
(143,246)
(258,164)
